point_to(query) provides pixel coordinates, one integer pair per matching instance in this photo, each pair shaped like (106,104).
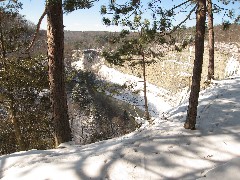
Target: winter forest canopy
(156,77)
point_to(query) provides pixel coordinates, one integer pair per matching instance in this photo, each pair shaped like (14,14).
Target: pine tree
(55,38)
(197,70)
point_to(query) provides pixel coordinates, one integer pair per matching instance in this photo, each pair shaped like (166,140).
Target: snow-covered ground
(163,150)
(159,99)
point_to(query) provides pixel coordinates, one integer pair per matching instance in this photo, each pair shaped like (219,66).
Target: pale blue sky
(80,20)
(89,19)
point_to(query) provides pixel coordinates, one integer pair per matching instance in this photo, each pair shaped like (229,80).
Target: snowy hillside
(164,150)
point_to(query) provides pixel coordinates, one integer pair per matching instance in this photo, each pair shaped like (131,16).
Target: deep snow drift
(164,150)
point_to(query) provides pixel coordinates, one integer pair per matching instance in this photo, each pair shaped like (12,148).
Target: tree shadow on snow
(161,153)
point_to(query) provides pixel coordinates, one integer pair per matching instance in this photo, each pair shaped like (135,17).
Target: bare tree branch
(37,29)
(188,16)
(175,7)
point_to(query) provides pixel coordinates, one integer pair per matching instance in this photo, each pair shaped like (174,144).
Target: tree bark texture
(210,41)
(55,40)
(197,69)
(17,129)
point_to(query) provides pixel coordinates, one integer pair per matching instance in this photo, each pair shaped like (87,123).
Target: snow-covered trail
(164,150)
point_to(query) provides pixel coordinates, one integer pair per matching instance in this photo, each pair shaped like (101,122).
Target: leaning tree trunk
(55,39)
(197,70)
(16,126)
(210,41)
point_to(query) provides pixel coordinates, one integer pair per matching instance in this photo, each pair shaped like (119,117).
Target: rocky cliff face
(95,115)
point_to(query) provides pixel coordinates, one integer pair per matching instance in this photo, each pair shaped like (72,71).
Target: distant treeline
(98,39)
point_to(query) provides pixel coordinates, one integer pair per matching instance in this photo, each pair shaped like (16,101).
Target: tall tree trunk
(16,126)
(146,114)
(210,41)
(197,70)
(55,39)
